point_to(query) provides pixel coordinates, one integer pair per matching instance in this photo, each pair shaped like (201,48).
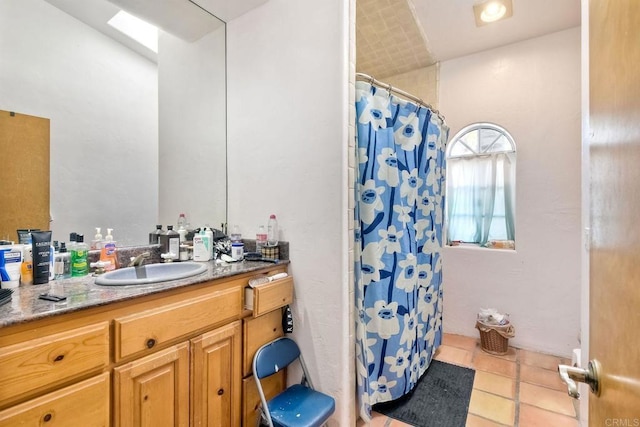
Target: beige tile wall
(422,83)
(390,40)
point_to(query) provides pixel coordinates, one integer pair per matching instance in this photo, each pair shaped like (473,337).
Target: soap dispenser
(108,252)
(96,243)
(62,263)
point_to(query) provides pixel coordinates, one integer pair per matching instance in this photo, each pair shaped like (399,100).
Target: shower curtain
(399,188)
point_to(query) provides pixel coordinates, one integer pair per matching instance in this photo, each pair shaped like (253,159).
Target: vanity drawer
(271,296)
(152,328)
(83,404)
(257,332)
(271,386)
(43,362)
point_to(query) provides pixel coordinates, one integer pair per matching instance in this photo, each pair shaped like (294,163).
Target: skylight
(139,30)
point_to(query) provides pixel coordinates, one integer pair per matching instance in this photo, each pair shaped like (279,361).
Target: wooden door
(153,391)
(614,150)
(216,377)
(24,173)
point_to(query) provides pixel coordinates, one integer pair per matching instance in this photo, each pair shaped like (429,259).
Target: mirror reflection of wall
(113,146)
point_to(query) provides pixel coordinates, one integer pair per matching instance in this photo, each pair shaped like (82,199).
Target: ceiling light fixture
(492,11)
(139,30)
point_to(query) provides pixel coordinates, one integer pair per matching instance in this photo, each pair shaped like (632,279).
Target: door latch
(570,375)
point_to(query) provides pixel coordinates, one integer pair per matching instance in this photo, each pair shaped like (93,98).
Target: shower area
(400,140)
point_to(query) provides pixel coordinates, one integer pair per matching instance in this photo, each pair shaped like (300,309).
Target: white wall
(287,147)
(532,88)
(102,101)
(192,116)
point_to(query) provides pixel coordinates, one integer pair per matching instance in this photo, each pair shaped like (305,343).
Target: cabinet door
(216,377)
(83,404)
(257,332)
(154,391)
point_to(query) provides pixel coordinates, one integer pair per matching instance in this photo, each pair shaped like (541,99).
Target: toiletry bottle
(201,245)
(237,246)
(182,227)
(26,271)
(182,221)
(235,235)
(237,250)
(96,243)
(52,258)
(209,232)
(10,262)
(72,241)
(170,243)
(62,263)
(261,239)
(42,256)
(154,236)
(272,231)
(108,252)
(79,263)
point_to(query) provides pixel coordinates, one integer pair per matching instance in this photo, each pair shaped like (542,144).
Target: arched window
(481,183)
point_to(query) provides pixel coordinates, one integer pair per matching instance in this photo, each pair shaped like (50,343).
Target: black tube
(24,235)
(41,244)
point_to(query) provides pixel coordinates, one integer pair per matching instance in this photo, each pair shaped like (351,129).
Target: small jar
(237,251)
(184,253)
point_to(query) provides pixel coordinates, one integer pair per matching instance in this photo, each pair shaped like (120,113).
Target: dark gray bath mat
(441,398)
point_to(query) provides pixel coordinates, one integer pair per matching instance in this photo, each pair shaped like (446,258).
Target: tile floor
(519,389)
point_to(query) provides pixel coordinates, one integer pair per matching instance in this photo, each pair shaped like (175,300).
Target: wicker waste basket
(494,339)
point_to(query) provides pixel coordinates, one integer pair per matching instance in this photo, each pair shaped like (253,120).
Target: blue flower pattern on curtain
(398,233)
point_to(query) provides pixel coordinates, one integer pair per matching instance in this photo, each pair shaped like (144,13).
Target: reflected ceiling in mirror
(136,139)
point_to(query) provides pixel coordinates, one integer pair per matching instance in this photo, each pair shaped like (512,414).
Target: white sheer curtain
(481,198)
(509,176)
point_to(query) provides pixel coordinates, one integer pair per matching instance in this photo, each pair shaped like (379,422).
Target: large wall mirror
(136,136)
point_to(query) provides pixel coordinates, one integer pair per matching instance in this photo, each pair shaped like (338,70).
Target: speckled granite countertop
(82,293)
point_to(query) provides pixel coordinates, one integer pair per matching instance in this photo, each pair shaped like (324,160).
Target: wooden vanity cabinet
(175,358)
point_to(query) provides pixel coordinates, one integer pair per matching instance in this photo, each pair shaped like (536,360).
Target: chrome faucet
(137,261)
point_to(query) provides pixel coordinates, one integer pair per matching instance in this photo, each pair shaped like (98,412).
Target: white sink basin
(151,273)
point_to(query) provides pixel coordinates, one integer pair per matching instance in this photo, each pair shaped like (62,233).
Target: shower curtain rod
(396,91)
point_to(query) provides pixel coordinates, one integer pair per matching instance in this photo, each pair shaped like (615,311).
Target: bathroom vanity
(169,354)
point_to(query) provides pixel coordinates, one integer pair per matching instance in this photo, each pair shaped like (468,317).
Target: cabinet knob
(47,418)
(59,358)
(220,392)
(151,342)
